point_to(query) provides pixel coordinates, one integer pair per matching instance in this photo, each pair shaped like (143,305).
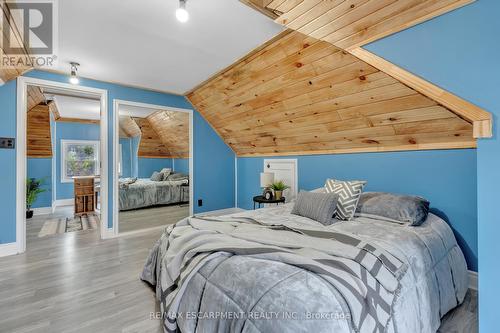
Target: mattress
(145,193)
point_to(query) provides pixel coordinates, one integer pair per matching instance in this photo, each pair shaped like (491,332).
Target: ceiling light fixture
(74,73)
(181,13)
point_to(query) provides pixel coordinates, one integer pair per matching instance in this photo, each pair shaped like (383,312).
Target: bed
(143,192)
(252,272)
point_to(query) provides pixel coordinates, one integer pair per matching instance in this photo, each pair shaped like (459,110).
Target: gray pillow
(392,207)
(316,206)
(177,176)
(349,193)
(157,176)
(166,172)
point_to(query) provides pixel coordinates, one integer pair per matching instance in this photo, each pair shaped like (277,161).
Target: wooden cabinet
(84,195)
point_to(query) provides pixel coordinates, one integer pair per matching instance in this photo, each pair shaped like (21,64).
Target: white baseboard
(107,233)
(472,280)
(42,211)
(65,202)
(9,249)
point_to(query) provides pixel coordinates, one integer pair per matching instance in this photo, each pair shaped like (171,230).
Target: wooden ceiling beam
(481,119)
(77,120)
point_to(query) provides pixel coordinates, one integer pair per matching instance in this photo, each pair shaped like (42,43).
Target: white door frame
(116,141)
(21,158)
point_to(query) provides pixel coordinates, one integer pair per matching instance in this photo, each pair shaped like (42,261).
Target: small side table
(261,200)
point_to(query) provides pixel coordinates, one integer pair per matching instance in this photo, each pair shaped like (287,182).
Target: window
(79,158)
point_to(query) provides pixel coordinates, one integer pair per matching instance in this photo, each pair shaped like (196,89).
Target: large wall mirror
(153,166)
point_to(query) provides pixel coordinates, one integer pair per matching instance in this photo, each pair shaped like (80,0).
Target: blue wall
(181,165)
(41,168)
(213,159)
(459,52)
(71,131)
(130,149)
(213,168)
(141,167)
(430,174)
(149,165)
(8,164)
(144,167)
(127,156)
(135,141)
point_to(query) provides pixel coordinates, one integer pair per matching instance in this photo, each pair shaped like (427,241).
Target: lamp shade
(266,179)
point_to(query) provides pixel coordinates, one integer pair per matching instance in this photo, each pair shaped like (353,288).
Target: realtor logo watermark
(30,33)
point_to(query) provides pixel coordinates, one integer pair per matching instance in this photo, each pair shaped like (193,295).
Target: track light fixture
(74,73)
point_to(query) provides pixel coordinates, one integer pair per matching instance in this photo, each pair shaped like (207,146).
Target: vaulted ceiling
(301,95)
(163,134)
(313,89)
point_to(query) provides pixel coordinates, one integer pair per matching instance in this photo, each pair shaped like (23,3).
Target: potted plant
(33,190)
(278,187)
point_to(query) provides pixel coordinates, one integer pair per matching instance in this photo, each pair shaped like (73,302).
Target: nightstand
(261,200)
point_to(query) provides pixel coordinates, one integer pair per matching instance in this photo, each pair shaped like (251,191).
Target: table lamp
(266,179)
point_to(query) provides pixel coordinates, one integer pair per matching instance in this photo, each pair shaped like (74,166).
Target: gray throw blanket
(366,276)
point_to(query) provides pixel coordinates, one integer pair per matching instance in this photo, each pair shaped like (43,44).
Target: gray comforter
(285,278)
(145,193)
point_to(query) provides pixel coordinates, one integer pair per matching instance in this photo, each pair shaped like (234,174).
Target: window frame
(64,143)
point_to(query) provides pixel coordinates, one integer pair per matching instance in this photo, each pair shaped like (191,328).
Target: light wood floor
(76,282)
(146,218)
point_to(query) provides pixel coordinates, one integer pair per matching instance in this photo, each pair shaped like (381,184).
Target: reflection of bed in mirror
(153,165)
(138,193)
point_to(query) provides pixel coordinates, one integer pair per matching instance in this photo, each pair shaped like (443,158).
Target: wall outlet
(7,143)
(200,202)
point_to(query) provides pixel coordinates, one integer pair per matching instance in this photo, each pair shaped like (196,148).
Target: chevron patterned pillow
(349,193)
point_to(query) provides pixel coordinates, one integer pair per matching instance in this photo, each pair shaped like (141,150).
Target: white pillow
(166,172)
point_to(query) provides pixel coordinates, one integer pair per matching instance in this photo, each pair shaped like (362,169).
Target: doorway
(73,160)
(153,175)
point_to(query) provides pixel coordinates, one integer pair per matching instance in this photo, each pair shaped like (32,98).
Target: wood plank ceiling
(8,73)
(173,129)
(353,23)
(300,95)
(35,97)
(39,142)
(164,134)
(150,144)
(348,24)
